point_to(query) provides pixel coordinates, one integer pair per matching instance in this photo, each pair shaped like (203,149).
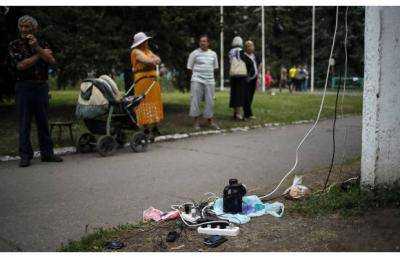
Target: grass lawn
(281,108)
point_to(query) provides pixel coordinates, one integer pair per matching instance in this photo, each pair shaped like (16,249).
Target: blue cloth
(252,206)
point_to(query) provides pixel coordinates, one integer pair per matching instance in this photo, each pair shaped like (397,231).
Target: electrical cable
(333,137)
(344,91)
(318,116)
(334,121)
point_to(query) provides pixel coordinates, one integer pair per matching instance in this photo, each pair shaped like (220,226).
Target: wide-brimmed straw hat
(139,38)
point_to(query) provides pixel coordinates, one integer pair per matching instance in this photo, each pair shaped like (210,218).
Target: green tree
(97,39)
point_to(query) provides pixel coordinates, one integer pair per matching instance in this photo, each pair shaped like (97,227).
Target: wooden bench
(60,125)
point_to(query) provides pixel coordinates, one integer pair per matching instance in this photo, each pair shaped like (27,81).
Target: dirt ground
(376,230)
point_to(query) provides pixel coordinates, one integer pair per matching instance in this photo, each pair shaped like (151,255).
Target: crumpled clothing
(252,206)
(157,215)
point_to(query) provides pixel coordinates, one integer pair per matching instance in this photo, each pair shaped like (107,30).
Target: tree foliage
(97,39)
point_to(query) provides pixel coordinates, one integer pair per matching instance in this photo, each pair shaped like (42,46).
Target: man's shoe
(24,163)
(53,158)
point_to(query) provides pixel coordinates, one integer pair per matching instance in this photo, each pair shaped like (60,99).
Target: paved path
(47,204)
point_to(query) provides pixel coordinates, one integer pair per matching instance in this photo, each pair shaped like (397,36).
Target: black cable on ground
(333,136)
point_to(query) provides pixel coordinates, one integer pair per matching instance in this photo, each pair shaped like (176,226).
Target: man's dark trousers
(33,101)
(248,97)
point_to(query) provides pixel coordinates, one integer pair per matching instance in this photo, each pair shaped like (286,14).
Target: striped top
(203,63)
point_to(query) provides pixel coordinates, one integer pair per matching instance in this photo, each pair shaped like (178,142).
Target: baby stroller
(107,112)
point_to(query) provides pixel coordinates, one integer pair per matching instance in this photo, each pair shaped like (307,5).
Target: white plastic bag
(297,190)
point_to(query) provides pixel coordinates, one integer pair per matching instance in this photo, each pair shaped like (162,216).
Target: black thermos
(233,195)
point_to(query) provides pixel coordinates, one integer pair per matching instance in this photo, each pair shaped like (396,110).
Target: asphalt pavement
(46,204)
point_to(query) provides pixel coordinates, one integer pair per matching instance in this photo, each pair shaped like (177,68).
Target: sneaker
(237,117)
(24,163)
(214,126)
(197,127)
(53,158)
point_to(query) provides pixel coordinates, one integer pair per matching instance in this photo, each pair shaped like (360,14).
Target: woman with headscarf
(238,74)
(144,63)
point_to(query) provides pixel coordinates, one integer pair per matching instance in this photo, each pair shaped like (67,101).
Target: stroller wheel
(106,145)
(139,142)
(85,143)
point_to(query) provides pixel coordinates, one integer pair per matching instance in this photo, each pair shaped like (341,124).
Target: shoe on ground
(53,158)
(197,127)
(238,117)
(24,163)
(214,126)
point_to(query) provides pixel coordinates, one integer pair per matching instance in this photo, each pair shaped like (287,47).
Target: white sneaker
(197,127)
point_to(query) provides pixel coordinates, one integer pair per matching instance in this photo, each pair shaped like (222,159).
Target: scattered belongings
(252,207)
(214,241)
(233,195)
(177,247)
(172,236)
(114,245)
(345,186)
(157,215)
(218,215)
(297,190)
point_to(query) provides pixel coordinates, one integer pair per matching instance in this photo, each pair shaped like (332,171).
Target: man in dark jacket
(253,67)
(30,59)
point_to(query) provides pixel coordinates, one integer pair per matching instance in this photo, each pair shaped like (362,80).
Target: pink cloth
(157,215)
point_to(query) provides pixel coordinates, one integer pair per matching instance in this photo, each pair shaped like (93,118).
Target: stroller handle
(147,91)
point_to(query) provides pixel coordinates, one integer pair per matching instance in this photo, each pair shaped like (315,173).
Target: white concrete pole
(312,49)
(222,49)
(263,49)
(380,159)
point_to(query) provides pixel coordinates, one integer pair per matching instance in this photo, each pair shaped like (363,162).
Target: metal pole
(312,48)
(263,48)
(222,49)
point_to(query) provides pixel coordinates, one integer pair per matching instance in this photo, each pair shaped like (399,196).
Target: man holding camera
(30,59)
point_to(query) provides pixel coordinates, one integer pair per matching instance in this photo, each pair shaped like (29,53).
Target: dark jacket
(249,64)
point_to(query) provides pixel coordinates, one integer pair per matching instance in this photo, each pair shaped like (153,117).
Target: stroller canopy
(96,95)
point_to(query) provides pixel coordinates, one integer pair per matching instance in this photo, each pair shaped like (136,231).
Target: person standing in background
(298,78)
(304,72)
(283,79)
(30,59)
(268,79)
(292,77)
(150,111)
(202,64)
(238,75)
(253,67)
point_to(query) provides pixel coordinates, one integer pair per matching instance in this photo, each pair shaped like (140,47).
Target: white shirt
(203,63)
